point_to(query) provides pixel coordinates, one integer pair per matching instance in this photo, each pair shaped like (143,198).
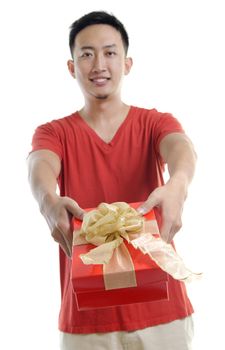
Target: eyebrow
(92,48)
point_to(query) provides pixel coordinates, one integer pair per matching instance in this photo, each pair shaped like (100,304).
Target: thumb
(147,206)
(74,209)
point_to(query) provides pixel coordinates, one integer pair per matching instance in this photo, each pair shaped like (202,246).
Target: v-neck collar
(97,138)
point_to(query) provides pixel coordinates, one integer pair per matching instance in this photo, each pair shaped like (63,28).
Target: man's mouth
(99,80)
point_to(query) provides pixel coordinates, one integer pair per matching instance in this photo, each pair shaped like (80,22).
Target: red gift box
(89,284)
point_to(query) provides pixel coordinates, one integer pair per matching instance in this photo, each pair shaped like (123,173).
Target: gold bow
(105,227)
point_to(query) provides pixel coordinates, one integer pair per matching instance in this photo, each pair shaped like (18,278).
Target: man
(107,152)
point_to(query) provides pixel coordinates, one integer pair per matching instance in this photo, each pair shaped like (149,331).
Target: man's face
(99,61)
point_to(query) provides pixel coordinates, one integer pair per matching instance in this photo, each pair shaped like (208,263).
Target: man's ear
(128,65)
(70,65)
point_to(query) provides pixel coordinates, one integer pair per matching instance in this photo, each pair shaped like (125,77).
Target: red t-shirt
(126,169)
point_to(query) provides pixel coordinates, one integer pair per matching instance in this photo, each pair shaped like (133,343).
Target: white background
(177,48)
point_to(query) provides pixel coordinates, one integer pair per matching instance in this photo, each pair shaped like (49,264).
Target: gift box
(101,286)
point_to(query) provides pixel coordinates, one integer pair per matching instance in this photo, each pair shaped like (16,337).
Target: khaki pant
(176,335)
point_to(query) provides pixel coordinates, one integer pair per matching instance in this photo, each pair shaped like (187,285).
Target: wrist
(47,200)
(179,181)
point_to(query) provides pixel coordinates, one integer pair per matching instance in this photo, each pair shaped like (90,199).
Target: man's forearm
(44,168)
(42,180)
(182,161)
(181,157)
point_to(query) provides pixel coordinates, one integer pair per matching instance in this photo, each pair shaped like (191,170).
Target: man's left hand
(170,199)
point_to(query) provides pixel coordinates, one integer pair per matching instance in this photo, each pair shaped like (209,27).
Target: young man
(107,152)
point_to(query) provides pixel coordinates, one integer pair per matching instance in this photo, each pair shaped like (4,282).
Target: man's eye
(86,54)
(111,53)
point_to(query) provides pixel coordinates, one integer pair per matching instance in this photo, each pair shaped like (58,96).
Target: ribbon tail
(165,257)
(170,262)
(119,272)
(101,254)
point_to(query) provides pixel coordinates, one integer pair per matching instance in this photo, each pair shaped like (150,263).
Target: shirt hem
(125,327)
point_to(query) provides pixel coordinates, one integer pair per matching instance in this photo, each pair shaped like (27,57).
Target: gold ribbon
(164,255)
(107,226)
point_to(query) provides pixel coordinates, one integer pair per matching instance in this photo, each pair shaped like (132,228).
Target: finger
(59,238)
(148,205)
(74,209)
(165,230)
(175,228)
(64,231)
(66,250)
(66,237)
(68,245)
(171,236)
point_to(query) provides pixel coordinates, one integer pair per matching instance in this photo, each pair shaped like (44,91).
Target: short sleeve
(47,137)
(165,124)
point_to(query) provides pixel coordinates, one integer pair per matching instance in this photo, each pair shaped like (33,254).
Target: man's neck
(95,112)
(105,118)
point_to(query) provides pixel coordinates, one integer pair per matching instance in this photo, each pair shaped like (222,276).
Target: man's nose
(99,63)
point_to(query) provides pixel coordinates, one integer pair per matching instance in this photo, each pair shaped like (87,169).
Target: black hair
(97,17)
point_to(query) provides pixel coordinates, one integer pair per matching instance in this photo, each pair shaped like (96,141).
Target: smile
(101,81)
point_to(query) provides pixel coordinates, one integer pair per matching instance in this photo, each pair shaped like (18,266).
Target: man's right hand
(58,212)
(44,167)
